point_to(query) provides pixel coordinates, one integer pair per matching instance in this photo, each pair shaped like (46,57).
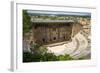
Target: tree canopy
(41,54)
(26,22)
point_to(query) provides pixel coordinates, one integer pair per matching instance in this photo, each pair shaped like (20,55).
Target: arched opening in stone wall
(43,40)
(54,38)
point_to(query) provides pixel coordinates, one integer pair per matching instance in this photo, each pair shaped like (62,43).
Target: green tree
(49,57)
(64,57)
(26,22)
(27,57)
(41,54)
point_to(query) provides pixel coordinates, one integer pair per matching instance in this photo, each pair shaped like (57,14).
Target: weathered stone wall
(76,28)
(52,33)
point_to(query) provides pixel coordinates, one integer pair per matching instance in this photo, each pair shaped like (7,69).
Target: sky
(57,13)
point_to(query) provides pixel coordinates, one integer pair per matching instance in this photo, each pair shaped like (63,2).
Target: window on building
(43,40)
(35,27)
(64,37)
(54,38)
(69,24)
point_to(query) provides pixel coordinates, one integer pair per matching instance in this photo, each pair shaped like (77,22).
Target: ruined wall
(52,34)
(76,28)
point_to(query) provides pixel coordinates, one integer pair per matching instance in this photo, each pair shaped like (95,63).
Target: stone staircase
(79,47)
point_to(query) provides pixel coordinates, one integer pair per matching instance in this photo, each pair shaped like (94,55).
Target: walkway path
(79,47)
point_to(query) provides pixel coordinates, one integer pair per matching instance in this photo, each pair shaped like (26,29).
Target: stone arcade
(53,31)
